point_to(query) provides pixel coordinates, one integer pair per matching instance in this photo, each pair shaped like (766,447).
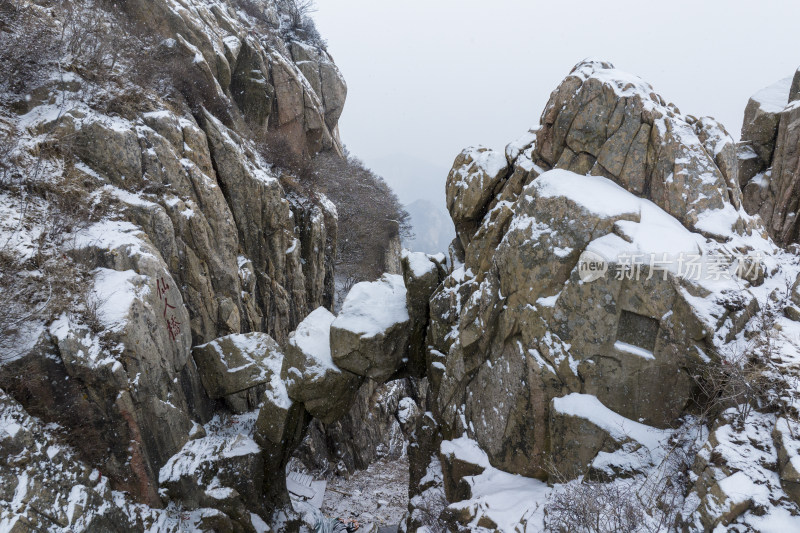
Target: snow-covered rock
(311,377)
(233,367)
(572,339)
(223,468)
(370,336)
(472,182)
(172,229)
(588,435)
(770,130)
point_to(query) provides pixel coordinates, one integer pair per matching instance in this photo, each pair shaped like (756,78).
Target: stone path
(377,495)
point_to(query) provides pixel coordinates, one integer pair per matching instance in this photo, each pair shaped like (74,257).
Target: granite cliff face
(199,239)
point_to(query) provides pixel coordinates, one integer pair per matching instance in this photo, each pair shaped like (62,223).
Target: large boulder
(533,329)
(370,336)
(138,309)
(784,181)
(608,123)
(785,436)
(237,364)
(220,467)
(311,376)
(460,458)
(250,85)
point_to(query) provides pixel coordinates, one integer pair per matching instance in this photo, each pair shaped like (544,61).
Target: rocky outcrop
(205,346)
(422,273)
(138,372)
(571,339)
(768,159)
(327,359)
(48,488)
(616,126)
(312,378)
(726,487)
(532,327)
(472,182)
(290,87)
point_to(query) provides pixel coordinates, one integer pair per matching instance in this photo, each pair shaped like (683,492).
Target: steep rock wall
(201,240)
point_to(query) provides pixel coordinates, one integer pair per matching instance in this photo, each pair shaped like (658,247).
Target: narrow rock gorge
(613,337)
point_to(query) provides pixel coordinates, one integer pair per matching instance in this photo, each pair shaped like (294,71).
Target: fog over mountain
(433,229)
(429,78)
(412,177)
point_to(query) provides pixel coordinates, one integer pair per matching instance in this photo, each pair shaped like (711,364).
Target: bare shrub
(737,380)
(370,215)
(27,46)
(644,503)
(296,21)
(743,375)
(37,286)
(91,38)
(427,510)
(593,507)
(89,305)
(344,283)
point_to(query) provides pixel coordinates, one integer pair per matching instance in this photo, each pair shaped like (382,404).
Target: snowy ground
(377,495)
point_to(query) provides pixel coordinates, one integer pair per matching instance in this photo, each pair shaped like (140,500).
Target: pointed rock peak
(593,63)
(606,122)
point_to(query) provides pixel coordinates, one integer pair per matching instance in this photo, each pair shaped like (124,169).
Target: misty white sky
(427,78)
